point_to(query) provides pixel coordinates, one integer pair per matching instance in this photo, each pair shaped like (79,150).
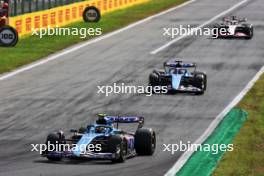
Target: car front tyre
(145,141)
(117,146)
(54,138)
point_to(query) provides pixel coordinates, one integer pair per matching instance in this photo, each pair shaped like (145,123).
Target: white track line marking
(79,46)
(186,155)
(202,25)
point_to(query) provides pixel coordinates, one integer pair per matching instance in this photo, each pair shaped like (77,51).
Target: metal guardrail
(19,7)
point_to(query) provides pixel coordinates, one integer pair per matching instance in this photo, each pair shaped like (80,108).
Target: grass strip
(203,162)
(247,159)
(32,48)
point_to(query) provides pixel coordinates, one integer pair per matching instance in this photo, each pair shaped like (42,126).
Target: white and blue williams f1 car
(179,77)
(109,142)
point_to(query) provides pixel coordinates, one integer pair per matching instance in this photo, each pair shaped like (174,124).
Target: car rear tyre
(145,141)
(250,33)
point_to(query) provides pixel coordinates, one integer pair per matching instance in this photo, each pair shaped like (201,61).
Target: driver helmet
(101,115)
(234,17)
(101,119)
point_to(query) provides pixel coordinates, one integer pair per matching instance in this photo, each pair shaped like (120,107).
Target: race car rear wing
(179,64)
(234,18)
(126,119)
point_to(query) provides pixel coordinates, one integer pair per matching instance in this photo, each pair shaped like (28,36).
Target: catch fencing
(64,15)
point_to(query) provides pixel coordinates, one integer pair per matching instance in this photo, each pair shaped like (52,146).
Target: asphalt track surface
(62,94)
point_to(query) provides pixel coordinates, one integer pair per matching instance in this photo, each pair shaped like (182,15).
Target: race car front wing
(181,88)
(86,155)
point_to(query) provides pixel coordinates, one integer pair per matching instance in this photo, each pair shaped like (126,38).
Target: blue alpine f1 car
(103,140)
(179,77)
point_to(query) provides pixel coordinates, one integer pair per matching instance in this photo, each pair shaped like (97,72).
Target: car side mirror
(73,131)
(243,20)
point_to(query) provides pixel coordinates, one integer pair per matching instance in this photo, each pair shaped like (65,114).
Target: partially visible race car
(234,27)
(179,77)
(115,144)
(8,35)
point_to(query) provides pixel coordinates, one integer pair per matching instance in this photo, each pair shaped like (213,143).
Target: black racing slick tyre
(201,82)
(216,28)
(55,138)
(8,36)
(117,146)
(250,33)
(145,141)
(153,82)
(154,79)
(91,14)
